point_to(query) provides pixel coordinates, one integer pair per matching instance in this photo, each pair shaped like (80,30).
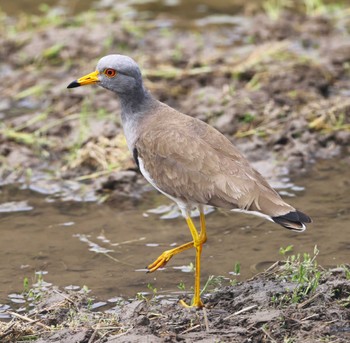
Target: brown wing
(192,161)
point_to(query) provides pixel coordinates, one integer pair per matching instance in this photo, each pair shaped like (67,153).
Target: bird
(187,160)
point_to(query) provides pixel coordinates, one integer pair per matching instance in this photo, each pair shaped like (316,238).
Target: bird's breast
(131,132)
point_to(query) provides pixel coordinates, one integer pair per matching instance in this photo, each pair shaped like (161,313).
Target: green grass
(26,138)
(346,271)
(181,286)
(314,7)
(247,118)
(303,271)
(53,52)
(212,283)
(284,251)
(34,291)
(274,8)
(237,269)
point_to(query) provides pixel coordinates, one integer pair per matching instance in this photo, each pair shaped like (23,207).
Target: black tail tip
(295,220)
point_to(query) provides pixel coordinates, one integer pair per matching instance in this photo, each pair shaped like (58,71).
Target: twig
(273,266)
(93,336)
(94,175)
(65,297)
(153,315)
(241,311)
(8,330)
(191,329)
(308,301)
(99,327)
(29,320)
(267,271)
(206,321)
(123,333)
(309,317)
(268,335)
(108,330)
(101,339)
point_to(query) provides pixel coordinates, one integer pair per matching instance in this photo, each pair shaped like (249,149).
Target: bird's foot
(161,261)
(197,304)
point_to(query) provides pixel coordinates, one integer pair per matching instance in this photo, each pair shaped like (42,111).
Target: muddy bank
(293,301)
(277,88)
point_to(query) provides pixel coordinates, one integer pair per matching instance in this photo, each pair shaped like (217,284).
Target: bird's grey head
(117,73)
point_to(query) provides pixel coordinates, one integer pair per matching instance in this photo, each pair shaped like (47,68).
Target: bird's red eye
(110,72)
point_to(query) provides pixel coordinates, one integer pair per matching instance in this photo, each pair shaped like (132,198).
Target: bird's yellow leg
(198,241)
(203,233)
(162,260)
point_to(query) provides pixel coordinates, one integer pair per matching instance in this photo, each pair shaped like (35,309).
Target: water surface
(106,248)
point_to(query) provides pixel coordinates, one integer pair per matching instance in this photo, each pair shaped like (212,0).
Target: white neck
(130,125)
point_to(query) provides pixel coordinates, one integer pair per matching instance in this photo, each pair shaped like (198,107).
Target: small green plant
(213,282)
(35,291)
(283,251)
(177,53)
(274,8)
(181,286)
(345,302)
(248,118)
(26,287)
(141,296)
(191,267)
(89,303)
(237,269)
(314,7)
(53,52)
(303,271)
(255,83)
(85,289)
(346,271)
(233,282)
(152,289)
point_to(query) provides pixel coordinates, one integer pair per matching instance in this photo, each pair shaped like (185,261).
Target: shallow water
(105,248)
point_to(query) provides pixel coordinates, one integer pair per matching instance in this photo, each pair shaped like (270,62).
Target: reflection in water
(15,206)
(106,248)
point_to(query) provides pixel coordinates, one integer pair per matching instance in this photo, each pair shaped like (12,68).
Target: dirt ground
(261,309)
(279,89)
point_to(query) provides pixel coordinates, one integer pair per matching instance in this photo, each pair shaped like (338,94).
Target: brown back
(192,161)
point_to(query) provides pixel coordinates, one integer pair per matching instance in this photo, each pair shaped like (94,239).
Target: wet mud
(258,310)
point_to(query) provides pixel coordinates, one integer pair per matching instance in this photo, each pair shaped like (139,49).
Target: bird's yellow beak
(85,80)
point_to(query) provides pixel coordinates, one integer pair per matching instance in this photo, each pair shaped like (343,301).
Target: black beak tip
(74,84)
